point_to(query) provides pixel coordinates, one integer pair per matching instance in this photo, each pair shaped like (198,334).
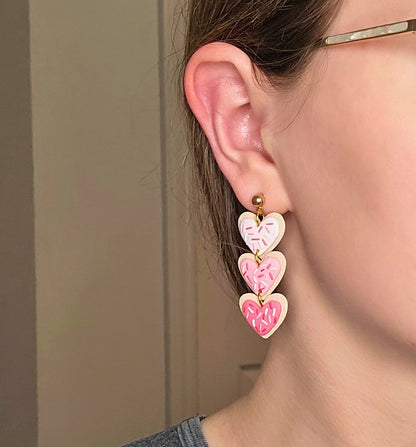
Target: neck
(327,380)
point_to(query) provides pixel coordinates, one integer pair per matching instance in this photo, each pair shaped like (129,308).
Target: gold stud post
(258,200)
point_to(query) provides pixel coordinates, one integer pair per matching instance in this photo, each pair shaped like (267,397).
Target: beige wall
(87,216)
(98,220)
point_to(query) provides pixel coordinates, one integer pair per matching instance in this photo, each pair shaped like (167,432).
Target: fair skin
(341,369)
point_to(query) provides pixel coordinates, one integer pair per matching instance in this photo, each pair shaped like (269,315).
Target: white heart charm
(264,237)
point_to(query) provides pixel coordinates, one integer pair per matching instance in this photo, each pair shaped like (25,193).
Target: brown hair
(279,36)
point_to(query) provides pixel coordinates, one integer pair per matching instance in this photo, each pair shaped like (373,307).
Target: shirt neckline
(190,432)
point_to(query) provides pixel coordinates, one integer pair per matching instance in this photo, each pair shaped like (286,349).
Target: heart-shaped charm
(263,237)
(263,277)
(267,318)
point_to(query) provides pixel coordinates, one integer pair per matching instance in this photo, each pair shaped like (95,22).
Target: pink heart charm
(267,318)
(263,237)
(263,277)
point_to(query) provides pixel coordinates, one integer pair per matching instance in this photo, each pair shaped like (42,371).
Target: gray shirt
(187,433)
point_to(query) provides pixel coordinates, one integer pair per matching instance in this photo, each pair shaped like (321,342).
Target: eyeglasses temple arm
(388,29)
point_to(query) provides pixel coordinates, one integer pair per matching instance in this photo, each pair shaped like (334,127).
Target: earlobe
(224,98)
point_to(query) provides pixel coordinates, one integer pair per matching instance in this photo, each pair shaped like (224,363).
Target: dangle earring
(262,270)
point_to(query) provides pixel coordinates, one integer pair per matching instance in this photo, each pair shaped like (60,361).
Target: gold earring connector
(258,201)
(259,297)
(258,259)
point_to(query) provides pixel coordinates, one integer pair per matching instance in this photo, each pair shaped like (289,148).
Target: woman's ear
(232,110)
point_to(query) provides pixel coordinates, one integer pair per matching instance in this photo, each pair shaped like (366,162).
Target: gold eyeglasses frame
(388,29)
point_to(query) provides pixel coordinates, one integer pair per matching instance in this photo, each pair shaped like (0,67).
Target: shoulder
(184,434)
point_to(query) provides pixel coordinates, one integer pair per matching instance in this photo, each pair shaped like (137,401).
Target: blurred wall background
(112,326)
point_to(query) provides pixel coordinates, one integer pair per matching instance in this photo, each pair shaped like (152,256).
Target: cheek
(354,192)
